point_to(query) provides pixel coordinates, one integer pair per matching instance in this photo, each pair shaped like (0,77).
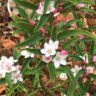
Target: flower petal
(56,64)
(43,51)
(63,62)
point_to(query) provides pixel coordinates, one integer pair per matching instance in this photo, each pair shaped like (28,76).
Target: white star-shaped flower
(89,69)
(50,48)
(27,54)
(85,58)
(59,60)
(40,9)
(7,64)
(63,76)
(16,75)
(75,70)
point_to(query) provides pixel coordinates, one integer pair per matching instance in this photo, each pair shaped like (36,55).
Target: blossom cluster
(7,65)
(50,49)
(51,53)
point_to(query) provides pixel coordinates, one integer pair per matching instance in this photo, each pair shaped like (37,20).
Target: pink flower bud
(54,11)
(42,29)
(80,5)
(89,70)
(56,22)
(48,58)
(94,59)
(59,9)
(81,36)
(64,52)
(32,23)
(87,94)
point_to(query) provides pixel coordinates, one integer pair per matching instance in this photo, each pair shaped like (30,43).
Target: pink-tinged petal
(11,60)
(53,52)
(40,9)
(80,5)
(87,94)
(15,81)
(51,42)
(47,55)
(55,11)
(63,62)
(56,64)
(64,57)
(56,43)
(46,59)
(63,76)
(89,69)
(94,59)
(25,53)
(48,12)
(32,55)
(64,52)
(4,58)
(20,79)
(43,51)
(46,45)
(56,14)
(40,12)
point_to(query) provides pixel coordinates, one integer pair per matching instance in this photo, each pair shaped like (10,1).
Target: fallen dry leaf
(7,43)
(85,23)
(2,88)
(70,16)
(60,17)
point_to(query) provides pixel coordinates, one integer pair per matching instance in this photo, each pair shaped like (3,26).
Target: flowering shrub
(58,53)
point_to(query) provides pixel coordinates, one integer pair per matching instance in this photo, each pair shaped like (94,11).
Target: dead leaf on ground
(70,16)
(7,43)
(2,88)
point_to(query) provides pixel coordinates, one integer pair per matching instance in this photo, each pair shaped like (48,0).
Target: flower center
(57,58)
(49,51)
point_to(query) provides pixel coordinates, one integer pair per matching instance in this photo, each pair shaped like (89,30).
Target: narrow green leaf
(26,64)
(51,69)
(42,21)
(68,33)
(81,87)
(71,89)
(72,86)
(34,70)
(25,4)
(36,79)
(22,12)
(92,76)
(69,23)
(89,10)
(2,81)
(8,79)
(79,74)
(35,51)
(68,43)
(54,34)
(91,50)
(16,53)
(32,40)
(78,49)
(75,57)
(46,5)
